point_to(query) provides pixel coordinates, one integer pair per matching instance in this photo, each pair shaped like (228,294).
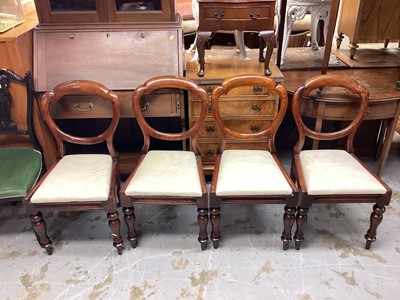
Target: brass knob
(256,107)
(209,152)
(254,128)
(210,129)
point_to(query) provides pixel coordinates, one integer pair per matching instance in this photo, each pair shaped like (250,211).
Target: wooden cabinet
(77,11)
(246,109)
(368,21)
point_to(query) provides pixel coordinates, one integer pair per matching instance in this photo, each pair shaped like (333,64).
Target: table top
(381,82)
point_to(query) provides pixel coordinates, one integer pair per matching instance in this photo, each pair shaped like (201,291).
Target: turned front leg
(202,220)
(39,227)
(301,221)
(375,219)
(115,226)
(288,220)
(129,217)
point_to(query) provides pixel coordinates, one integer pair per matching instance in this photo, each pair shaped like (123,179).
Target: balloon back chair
(251,176)
(333,175)
(167,176)
(20,152)
(78,182)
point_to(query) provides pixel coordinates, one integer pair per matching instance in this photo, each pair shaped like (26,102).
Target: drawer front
(90,106)
(241,16)
(210,128)
(250,106)
(209,149)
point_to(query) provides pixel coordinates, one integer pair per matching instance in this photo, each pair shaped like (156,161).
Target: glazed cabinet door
(93,11)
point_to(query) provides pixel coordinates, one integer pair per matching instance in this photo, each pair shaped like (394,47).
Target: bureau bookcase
(117,43)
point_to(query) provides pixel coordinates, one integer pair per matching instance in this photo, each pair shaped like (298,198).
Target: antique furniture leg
(129,217)
(320,12)
(202,38)
(202,220)
(353,49)
(39,227)
(215,219)
(239,40)
(375,219)
(288,220)
(115,226)
(269,37)
(301,220)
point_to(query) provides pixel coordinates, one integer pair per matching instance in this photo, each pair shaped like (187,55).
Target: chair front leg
(288,220)
(301,221)
(215,220)
(39,227)
(202,220)
(375,219)
(130,218)
(115,226)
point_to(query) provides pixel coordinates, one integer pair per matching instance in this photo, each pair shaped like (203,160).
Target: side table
(242,15)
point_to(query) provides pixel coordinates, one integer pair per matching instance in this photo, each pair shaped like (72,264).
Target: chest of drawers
(246,109)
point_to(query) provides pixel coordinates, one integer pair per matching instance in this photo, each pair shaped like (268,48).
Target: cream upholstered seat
(336,175)
(179,176)
(167,176)
(330,172)
(78,182)
(258,172)
(88,178)
(251,176)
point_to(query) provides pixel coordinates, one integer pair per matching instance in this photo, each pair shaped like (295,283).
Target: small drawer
(209,149)
(244,106)
(242,16)
(210,128)
(91,106)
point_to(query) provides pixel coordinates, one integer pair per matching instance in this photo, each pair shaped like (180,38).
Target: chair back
(324,92)
(76,87)
(172,82)
(7,125)
(277,112)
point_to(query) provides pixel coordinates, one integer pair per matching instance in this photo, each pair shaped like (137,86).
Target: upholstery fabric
(336,172)
(250,172)
(19,170)
(166,173)
(81,177)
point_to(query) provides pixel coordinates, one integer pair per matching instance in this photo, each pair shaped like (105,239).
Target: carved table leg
(339,40)
(375,219)
(202,38)
(115,226)
(129,217)
(269,37)
(202,220)
(39,227)
(215,220)
(353,50)
(288,221)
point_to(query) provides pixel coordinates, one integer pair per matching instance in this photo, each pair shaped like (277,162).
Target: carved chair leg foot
(215,219)
(202,220)
(130,218)
(39,227)
(115,226)
(289,218)
(375,219)
(301,220)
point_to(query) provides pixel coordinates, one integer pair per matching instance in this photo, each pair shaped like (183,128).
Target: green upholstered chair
(78,182)
(21,165)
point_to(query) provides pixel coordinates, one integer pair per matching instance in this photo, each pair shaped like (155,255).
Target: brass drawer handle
(209,89)
(210,129)
(219,13)
(254,128)
(256,107)
(145,106)
(84,109)
(254,14)
(210,153)
(257,90)
(209,110)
